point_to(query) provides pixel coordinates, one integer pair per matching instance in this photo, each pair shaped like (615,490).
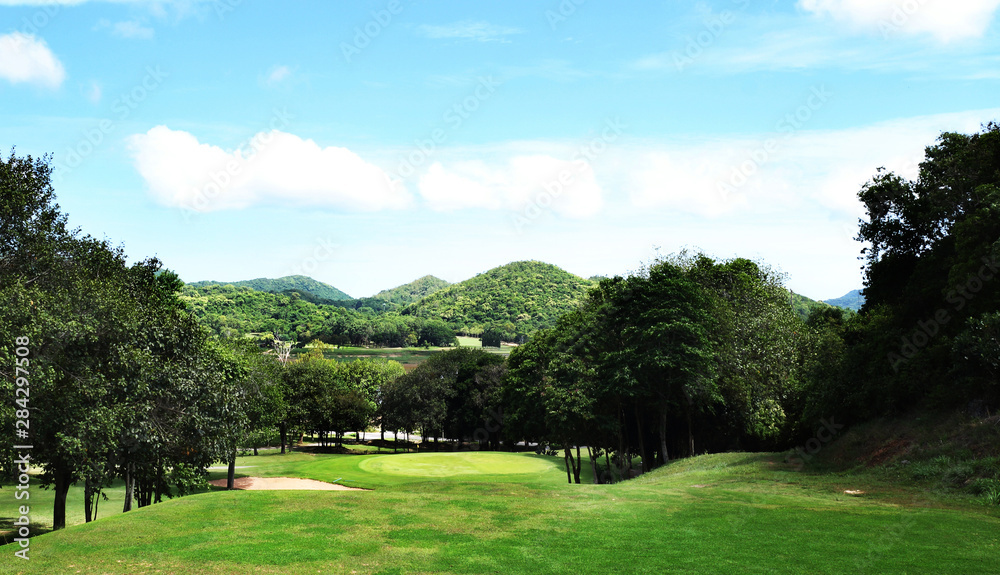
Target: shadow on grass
(8,531)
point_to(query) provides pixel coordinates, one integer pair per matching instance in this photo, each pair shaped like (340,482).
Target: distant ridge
(851,300)
(297,283)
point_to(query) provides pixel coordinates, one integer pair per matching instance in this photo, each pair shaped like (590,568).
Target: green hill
(228,309)
(518,298)
(413,291)
(803,305)
(303,284)
(852,300)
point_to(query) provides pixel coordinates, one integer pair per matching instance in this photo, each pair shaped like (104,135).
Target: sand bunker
(276,483)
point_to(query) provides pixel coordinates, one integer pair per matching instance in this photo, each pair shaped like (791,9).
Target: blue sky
(369,143)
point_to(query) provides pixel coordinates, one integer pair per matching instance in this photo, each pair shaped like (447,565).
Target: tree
(452,394)
(120,370)
(931,256)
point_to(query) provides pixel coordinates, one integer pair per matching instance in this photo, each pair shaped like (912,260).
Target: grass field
(410,357)
(514,513)
(464,341)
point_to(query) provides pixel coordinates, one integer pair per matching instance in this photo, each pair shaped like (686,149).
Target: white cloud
(946,21)
(24,58)
(801,170)
(132,29)
(568,188)
(273,168)
(277,74)
(470,30)
(128,29)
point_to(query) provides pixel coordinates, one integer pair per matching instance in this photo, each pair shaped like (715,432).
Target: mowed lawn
(514,513)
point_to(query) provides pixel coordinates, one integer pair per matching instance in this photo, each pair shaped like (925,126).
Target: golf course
(488,512)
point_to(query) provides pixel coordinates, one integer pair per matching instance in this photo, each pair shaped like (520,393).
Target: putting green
(449,464)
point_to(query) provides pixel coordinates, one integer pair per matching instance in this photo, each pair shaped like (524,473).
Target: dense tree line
(689,355)
(453,394)
(329,396)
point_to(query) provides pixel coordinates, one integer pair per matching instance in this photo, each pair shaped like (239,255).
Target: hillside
(229,309)
(302,284)
(517,298)
(803,305)
(852,300)
(413,291)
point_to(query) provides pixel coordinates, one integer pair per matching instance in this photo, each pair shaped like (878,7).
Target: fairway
(451,464)
(514,513)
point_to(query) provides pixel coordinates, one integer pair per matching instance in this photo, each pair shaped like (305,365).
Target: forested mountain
(851,300)
(413,291)
(303,284)
(229,310)
(517,298)
(802,305)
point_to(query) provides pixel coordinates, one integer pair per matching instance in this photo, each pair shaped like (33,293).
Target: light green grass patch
(451,464)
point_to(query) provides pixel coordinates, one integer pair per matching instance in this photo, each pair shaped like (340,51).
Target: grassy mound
(954,455)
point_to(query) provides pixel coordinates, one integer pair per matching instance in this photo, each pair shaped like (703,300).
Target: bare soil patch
(284,483)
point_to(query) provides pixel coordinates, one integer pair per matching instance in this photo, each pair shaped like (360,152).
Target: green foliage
(491,338)
(317,291)
(930,289)
(123,381)
(803,306)
(413,291)
(327,395)
(454,394)
(687,346)
(518,298)
(230,311)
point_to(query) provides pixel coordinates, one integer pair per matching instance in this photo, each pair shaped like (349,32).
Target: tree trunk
(690,432)
(577,465)
(59,504)
(88,501)
(566,457)
(593,465)
(129,488)
(642,445)
(97,501)
(231,476)
(283,431)
(663,436)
